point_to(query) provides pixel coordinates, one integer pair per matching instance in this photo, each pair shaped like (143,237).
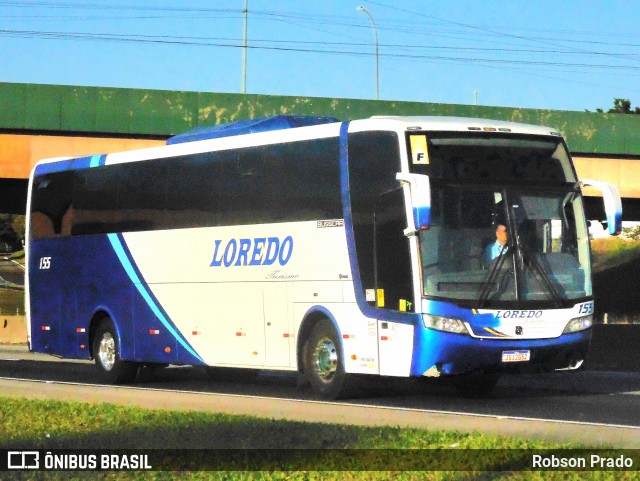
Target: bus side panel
(74,278)
(223,322)
(230,289)
(153,341)
(70,280)
(59,290)
(279,331)
(45,309)
(157,339)
(357,333)
(396,348)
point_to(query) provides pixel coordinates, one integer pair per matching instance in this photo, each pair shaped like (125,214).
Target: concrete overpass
(40,121)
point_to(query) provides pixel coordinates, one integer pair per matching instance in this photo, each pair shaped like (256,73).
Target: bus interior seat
(41,225)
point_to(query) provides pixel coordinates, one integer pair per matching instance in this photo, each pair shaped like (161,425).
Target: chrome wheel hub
(325,359)
(107,351)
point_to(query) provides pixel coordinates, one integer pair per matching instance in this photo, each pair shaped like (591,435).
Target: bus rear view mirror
(612,204)
(420,194)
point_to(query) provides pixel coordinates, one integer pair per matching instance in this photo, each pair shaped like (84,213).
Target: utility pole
(244,47)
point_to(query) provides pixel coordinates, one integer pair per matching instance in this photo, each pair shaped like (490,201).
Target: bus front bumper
(440,353)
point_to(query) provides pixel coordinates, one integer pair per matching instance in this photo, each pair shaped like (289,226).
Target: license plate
(516,356)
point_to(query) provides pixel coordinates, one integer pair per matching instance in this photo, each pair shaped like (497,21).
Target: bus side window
(51,199)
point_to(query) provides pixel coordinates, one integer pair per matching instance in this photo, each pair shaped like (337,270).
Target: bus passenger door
(392,262)
(394,282)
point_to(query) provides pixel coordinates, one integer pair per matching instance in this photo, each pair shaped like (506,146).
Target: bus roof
(459,124)
(278,122)
(428,123)
(284,122)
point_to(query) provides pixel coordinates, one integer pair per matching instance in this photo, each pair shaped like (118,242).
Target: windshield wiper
(553,290)
(486,287)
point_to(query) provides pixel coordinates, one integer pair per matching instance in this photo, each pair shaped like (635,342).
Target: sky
(561,55)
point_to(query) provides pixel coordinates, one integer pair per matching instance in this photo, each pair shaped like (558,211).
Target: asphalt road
(593,407)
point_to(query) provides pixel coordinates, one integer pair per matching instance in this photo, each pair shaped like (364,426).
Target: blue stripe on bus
(118,244)
(97,160)
(71,164)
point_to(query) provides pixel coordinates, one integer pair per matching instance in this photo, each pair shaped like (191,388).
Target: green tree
(632,232)
(11,232)
(623,106)
(620,106)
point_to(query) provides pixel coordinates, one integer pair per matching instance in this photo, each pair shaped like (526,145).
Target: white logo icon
(23,460)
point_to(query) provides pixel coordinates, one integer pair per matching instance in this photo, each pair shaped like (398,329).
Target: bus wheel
(111,369)
(323,363)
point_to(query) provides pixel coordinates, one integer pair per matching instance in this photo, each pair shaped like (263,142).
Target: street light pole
(244,47)
(375,32)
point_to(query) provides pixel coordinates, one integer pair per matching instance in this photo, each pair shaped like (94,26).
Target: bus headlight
(578,324)
(445,324)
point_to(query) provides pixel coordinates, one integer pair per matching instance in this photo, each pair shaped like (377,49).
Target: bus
(337,250)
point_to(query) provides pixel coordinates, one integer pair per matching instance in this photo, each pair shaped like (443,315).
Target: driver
(498,247)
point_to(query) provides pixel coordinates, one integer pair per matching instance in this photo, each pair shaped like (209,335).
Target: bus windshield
(474,157)
(507,219)
(488,246)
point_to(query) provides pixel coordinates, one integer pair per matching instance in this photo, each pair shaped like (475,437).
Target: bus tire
(324,365)
(111,368)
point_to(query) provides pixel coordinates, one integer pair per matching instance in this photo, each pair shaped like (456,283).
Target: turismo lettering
(259,251)
(519,314)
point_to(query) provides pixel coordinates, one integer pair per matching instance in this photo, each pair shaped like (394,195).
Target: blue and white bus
(334,249)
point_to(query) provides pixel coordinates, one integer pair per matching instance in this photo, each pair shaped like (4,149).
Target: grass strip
(48,424)
(610,252)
